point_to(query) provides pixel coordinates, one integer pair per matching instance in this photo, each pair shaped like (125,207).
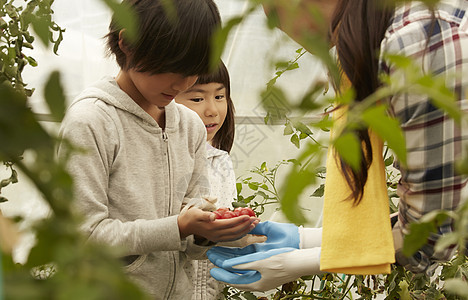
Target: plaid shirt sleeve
(434,141)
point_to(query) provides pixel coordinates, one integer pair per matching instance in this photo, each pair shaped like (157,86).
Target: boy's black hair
(167,44)
(224,138)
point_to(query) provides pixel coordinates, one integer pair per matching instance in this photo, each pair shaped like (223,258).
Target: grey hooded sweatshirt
(133,179)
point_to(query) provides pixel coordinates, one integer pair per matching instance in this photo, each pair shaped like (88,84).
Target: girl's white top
(223,186)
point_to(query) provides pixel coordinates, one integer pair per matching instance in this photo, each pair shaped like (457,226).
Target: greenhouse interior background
(250,55)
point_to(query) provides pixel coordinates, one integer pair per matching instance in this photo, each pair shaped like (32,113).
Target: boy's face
(153,90)
(209,102)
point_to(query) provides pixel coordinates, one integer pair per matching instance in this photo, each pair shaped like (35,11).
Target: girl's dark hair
(224,138)
(357,30)
(167,43)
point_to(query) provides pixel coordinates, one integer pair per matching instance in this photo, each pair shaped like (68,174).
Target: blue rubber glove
(264,270)
(279,235)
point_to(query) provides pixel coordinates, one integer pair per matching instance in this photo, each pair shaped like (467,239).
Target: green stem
(346,285)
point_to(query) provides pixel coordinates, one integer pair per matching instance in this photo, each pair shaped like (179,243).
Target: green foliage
(262,187)
(126,17)
(377,119)
(302,174)
(222,34)
(15,35)
(284,66)
(349,148)
(55,96)
(420,231)
(61,265)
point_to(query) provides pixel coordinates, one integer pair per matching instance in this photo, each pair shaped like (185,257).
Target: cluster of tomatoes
(225,213)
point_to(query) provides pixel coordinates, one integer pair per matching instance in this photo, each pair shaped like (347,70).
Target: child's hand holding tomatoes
(205,224)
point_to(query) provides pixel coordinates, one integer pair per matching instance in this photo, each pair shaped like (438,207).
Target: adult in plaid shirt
(438,42)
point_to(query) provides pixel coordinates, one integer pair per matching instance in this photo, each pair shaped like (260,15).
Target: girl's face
(209,102)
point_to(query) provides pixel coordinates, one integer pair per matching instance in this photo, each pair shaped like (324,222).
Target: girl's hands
(200,223)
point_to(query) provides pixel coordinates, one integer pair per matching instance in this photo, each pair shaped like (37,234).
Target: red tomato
(247,211)
(218,214)
(229,214)
(222,209)
(238,211)
(225,213)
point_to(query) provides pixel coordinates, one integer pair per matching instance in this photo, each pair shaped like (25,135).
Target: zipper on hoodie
(166,152)
(168,163)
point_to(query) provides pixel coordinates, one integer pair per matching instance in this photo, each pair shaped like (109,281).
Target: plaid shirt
(433,141)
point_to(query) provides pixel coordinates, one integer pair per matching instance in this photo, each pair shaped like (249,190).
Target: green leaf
(324,124)
(58,41)
(457,286)
(249,296)
(262,194)
(346,97)
(266,118)
(249,198)
(319,191)
(447,240)
(126,17)
(282,65)
(273,19)
(389,161)
(436,216)
(293,66)
(239,187)
(238,204)
(55,96)
(18,126)
(399,61)
(349,148)
(288,129)
(274,101)
(440,95)
(462,166)
(296,181)
(219,40)
(31,61)
(309,100)
(41,27)
(253,186)
(417,237)
(170,9)
(388,129)
(295,140)
(302,128)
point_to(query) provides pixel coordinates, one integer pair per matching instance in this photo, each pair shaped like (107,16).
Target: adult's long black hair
(357,30)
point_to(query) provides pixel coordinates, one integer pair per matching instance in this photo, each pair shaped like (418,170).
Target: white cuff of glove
(310,237)
(282,268)
(303,262)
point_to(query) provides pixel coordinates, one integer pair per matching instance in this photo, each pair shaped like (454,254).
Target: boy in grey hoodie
(145,154)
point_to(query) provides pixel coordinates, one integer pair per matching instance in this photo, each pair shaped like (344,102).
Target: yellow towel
(356,239)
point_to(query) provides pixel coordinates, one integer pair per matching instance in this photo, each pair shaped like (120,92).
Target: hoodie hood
(108,91)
